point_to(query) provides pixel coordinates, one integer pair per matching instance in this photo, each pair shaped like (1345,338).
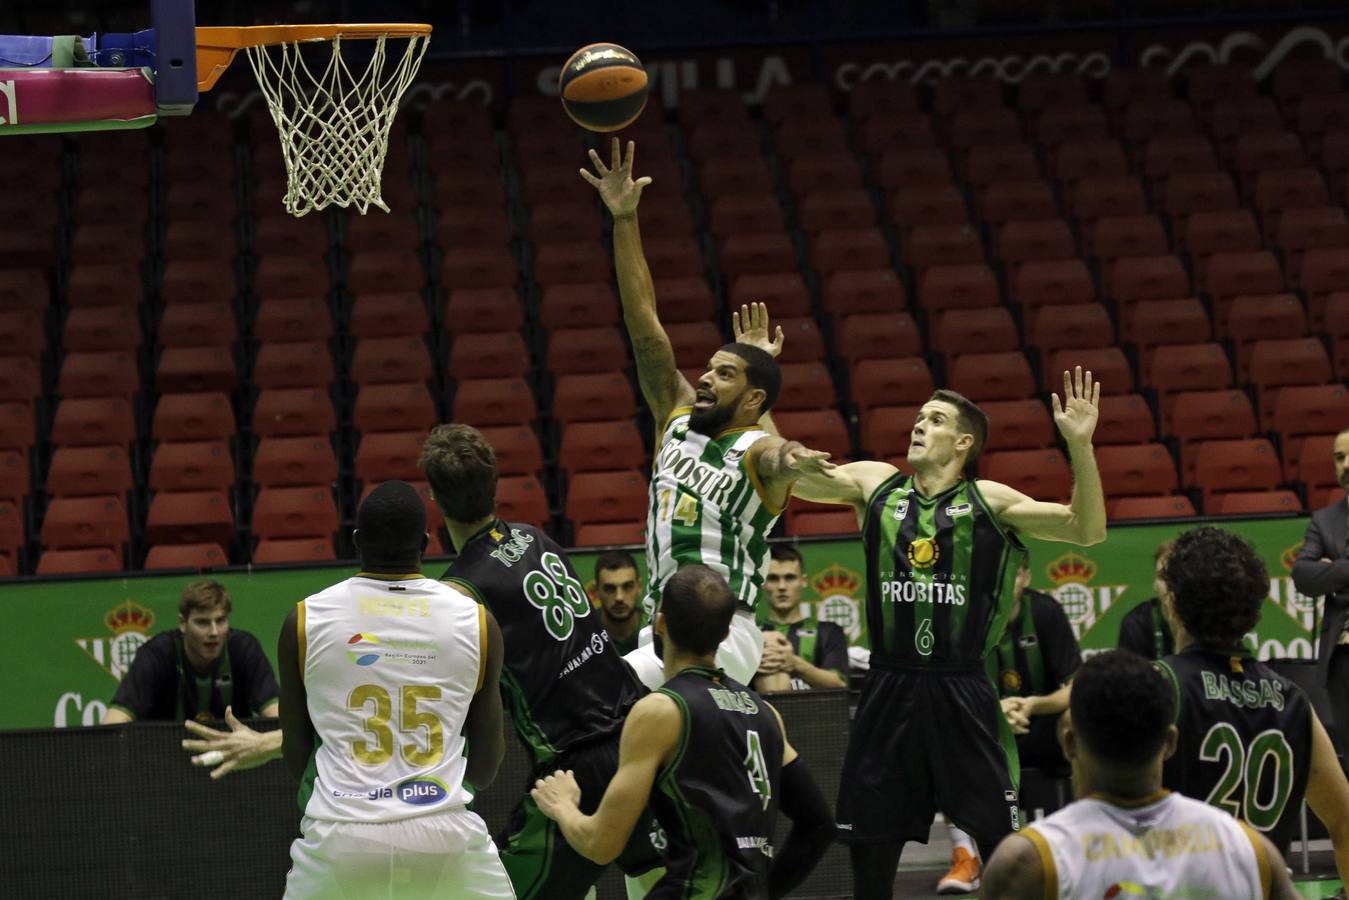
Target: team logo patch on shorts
(923,553)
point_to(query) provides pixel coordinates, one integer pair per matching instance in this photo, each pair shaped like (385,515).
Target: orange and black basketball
(603,87)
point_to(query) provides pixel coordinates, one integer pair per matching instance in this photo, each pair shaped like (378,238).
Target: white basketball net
(334,124)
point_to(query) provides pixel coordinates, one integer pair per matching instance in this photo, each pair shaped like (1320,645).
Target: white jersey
(1173,846)
(390,666)
(707,506)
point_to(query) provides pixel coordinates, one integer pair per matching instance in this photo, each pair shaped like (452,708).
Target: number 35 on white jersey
(391,664)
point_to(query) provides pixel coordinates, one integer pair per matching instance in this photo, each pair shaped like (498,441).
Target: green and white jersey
(707,506)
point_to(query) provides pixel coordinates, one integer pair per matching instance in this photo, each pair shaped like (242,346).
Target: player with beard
(618,589)
(719,479)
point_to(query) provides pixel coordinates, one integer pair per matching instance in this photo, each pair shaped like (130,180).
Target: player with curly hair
(1250,742)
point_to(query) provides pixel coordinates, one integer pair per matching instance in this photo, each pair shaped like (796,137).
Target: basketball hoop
(333,118)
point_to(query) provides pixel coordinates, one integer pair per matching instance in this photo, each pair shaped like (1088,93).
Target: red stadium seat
(991,376)
(305,364)
(1174,507)
(1078,325)
(803,341)
(1155,322)
(1197,416)
(1208,83)
(293,550)
(619,496)
(1146,278)
(877,336)
(516,447)
(784,292)
(1237,465)
(709,140)
(120,284)
(198,325)
(87,329)
(813,522)
(849,249)
(98,374)
(971,286)
(24,289)
(942,245)
(193,417)
(294,461)
(1041,474)
(1314,461)
(804,386)
(11,530)
(494,401)
(591,398)
(693,343)
(83,422)
(1189,367)
(1052,282)
(882,96)
(1254,503)
(1136,470)
(887,381)
(570,263)
(1009,161)
(1300,230)
(1071,123)
(388,315)
(600,446)
(389,455)
(711,105)
(1145,120)
(79,562)
(818,429)
(192,466)
(864,290)
(18,426)
(84,522)
(1282,189)
(1233,117)
(521,499)
(294,512)
(550,223)
(293,412)
(186,556)
(1234,274)
(1325,270)
(281,276)
(1040,90)
(383,271)
(195,370)
(989,330)
(1124,86)
(1108,365)
(291,320)
(1007,201)
(190,517)
(1091,157)
(581,350)
(823,163)
(404,406)
(1206,233)
(886,430)
(15,482)
(673,257)
(1294,361)
(1108,196)
(1021,242)
(473,226)
(686,299)
(982,126)
(734,174)
(934,204)
(1211,191)
(578,306)
(89,472)
(490,355)
(1248,319)
(1113,237)
(479,310)
(1017,424)
(751,254)
(608,534)
(963,92)
(434,516)
(479,267)
(1124,419)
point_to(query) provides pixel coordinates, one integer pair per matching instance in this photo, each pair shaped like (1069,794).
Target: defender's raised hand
(799,460)
(1076,415)
(617,189)
(750,326)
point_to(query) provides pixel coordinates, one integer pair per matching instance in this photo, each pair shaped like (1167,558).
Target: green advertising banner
(76,638)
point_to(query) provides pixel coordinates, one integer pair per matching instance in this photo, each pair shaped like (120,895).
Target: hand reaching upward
(1076,415)
(750,326)
(617,189)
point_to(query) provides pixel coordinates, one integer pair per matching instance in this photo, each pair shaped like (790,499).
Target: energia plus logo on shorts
(413,791)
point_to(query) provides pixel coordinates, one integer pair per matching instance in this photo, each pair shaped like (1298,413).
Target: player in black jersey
(711,758)
(564,685)
(942,553)
(1250,743)
(1144,629)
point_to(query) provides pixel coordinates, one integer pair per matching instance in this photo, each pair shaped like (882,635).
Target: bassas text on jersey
(922,592)
(1247,693)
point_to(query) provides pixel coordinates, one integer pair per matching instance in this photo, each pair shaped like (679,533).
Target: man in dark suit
(1322,569)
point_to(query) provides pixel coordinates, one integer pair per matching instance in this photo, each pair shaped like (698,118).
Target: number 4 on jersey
(757,767)
(685,510)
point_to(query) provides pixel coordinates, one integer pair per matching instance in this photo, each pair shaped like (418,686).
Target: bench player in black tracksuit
(711,758)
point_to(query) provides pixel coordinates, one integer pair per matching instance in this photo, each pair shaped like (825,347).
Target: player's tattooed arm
(851,484)
(663,386)
(296,727)
(650,736)
(1015,872)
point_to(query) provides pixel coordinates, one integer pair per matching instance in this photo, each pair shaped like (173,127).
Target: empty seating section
(212,382)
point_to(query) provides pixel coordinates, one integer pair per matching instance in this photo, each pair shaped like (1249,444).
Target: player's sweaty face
(617,589)
(204,633)
(719,392)
(1342,460)
(783,583)
(934,435)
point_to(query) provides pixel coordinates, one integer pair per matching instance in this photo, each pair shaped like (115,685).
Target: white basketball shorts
(738,655)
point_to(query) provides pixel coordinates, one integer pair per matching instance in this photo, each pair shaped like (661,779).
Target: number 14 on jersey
(677,505)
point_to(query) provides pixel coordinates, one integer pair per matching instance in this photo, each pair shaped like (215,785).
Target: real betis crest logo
(837,589)
(129,623)
(1082,601)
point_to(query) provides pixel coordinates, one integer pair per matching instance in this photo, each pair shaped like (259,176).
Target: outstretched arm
(663,386)
(1082,520)
(650,734)
(851,484)
(778,463)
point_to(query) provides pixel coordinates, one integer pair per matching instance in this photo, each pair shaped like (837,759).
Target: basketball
(603,87)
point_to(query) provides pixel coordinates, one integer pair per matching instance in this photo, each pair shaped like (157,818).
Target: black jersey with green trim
(562,681)
(717,800)
(940,575)
(1245,738)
